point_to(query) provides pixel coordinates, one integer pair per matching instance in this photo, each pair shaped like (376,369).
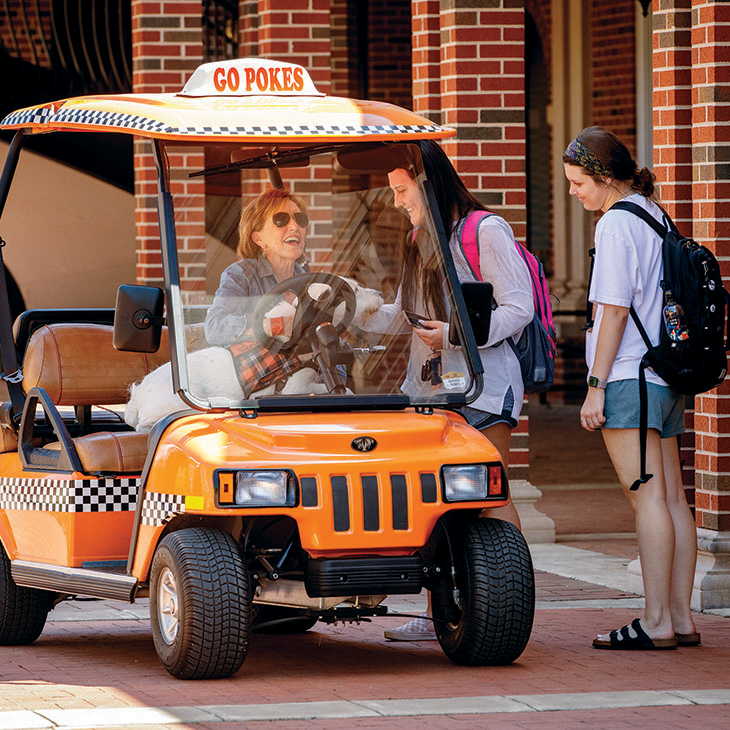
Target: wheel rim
(168,606)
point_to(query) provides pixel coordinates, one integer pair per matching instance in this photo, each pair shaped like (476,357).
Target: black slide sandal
(633,637)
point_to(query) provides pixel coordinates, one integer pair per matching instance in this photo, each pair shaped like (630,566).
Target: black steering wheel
(311,310)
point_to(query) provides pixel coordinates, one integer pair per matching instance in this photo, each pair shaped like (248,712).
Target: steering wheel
(311,311)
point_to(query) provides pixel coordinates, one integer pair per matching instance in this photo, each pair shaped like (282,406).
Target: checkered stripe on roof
(157,509)
(73,495)
(143,124)
(28,116)
(306,130)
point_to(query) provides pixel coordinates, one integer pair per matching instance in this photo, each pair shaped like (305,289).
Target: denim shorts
(483,419)
(665,412)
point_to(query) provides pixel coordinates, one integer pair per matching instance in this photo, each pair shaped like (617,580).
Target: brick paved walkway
(94,666)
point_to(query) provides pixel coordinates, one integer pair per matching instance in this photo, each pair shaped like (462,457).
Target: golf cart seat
(76,365)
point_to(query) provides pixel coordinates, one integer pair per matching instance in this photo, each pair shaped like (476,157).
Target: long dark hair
(613,155)
(454,202)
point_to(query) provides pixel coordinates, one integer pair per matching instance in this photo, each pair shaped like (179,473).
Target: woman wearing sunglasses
(271,244)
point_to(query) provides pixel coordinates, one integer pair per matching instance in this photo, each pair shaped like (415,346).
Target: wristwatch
(594,382)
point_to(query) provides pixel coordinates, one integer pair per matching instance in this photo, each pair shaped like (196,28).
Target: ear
(256,238)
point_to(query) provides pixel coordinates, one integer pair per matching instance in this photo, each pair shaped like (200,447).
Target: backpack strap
(589,305)
(468,240)
(646,216)
(643,405)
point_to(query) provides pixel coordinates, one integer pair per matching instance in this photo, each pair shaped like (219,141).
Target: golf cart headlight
(466,482)
(263,488)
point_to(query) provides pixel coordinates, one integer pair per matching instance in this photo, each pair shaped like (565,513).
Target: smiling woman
(272,238)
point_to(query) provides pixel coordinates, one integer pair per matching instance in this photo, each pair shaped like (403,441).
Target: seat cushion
(77,364)
(116,453)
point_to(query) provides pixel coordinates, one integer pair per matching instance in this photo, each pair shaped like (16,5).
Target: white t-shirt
(627,270)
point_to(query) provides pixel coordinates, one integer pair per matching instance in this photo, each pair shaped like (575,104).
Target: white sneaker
(419,629)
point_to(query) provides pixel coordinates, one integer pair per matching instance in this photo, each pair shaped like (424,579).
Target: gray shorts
(483,419)
(665,412)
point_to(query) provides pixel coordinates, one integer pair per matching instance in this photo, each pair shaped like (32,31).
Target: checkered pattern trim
(157,509)
(74,495)
(143,124)
(318,130)
(28,116)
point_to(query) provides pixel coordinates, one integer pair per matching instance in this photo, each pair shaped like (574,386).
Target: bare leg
(499,434)
(654,525)
(685,540)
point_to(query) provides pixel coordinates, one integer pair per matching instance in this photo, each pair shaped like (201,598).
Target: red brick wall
(672,101)
(24,30)
(426,51)
(710,38)
(477,57)
(297,31)
(614,68)
(166,48)
(389,52)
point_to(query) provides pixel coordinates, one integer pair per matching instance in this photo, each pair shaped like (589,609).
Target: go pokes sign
(250,77)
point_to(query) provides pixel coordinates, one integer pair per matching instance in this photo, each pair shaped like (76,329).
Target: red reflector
(495,481)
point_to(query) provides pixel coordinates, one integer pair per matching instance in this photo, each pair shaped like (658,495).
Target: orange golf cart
(250,508)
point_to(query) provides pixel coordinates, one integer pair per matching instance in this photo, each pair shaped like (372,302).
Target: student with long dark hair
(627,271)
(496,411)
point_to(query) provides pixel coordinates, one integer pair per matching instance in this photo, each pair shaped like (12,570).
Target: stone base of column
(711,587)
(712,576)
(636,582)
(536,526)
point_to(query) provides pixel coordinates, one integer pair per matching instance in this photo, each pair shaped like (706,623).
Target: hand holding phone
(415,320)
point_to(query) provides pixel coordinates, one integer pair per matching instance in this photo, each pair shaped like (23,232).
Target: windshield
(307,274)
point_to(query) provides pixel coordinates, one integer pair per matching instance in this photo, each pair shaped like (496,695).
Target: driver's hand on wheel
(279,321)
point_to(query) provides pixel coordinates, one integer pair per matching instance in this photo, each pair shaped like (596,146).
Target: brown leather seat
(77,365)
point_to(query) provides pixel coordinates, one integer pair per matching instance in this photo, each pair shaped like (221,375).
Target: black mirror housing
(138,318)
(478,297)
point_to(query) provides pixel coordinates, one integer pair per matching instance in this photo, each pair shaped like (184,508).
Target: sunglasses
(282,218)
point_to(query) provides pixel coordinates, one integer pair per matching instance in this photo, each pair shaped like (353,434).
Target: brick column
(426,53)
(710,211)
(672,103)
(481,84)
(166,48)
(297,31)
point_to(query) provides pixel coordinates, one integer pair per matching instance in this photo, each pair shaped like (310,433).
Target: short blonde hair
(255,215)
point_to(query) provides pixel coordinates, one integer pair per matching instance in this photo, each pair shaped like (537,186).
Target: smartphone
(414,320)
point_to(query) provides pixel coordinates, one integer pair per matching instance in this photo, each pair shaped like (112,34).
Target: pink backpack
(537,345)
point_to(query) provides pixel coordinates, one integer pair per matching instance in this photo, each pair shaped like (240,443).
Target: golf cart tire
(200,604)
(23,611)
(495,578)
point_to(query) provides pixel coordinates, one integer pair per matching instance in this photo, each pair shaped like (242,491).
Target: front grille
(370,487)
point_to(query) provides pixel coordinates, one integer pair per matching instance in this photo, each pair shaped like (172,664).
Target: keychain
(431,369)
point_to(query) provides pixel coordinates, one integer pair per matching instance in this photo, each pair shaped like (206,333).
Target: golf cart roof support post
(11,162)
(8,353)
(456,298)
(170,272)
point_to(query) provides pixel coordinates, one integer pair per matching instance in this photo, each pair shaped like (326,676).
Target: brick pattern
(468,72)
(426,44)
(672,102)
(710,38)
(24,28)
(297,31)
(613,78)
(166,49)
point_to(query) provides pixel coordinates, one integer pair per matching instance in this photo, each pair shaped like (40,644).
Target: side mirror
(478,297)
(138,318)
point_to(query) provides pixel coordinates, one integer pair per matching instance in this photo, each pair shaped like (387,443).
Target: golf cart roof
(253,98)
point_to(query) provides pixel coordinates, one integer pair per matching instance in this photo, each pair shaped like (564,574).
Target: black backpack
(691,355)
